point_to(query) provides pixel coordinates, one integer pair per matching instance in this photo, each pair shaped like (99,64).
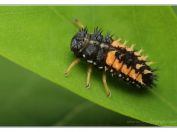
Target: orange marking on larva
(117,65)
(117,44)
(139,79)
(122,46)
(142,58)
(110,58)
(129,49)
(125,69)
(138,53)
(138,66)
(133,74)
(146,71)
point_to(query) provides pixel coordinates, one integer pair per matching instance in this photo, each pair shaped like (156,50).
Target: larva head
(78,41)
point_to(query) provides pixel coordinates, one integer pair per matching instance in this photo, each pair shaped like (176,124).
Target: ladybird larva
(111,56)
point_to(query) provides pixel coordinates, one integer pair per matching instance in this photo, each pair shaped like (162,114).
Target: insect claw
(66,74)
(107,90)
(87,85)
(108,94)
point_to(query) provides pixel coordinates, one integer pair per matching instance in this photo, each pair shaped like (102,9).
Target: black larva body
(95,49)
(88,46)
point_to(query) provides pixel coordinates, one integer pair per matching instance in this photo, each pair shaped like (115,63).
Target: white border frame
(91,2)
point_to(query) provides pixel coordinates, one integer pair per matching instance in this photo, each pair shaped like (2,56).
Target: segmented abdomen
(129,65)
(113,56)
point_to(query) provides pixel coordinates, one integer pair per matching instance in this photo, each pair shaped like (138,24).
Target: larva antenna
(78,24)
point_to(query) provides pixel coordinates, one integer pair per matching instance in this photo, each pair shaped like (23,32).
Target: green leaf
(31,100)
(174,9)
(38,39)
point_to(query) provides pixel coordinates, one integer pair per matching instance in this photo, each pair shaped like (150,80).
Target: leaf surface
(38,38)
(29,100)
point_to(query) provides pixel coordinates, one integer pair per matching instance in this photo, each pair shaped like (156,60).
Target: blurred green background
(27,99)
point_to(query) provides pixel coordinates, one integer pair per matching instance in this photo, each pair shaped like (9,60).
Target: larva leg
(78,24)
(108,92)
(89,73)
(74,62)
